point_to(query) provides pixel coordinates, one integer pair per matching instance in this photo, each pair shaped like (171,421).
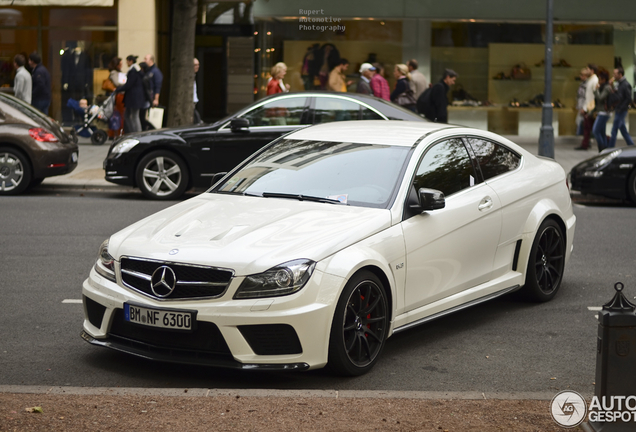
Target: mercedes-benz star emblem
(173,252)
(163,281)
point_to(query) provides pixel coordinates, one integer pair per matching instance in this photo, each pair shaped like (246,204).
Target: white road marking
(74,301)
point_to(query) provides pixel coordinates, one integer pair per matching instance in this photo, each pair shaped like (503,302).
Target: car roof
(382,132)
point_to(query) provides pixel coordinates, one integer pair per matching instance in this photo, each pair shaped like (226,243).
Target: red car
(32,146)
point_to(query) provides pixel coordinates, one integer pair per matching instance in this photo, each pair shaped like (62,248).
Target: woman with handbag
(110,84)
(403,94)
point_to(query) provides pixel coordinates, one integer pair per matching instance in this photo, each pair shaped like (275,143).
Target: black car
(611,173)
(32,146)
(167,162)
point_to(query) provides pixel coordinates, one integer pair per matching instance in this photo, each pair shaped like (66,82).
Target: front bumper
(606,182)
(220,338)
(121,168)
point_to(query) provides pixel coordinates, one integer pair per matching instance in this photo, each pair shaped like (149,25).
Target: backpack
(613,99)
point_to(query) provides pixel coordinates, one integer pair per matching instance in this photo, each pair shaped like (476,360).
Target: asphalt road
(49,241)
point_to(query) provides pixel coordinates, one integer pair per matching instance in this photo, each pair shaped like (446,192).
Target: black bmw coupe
(165,163)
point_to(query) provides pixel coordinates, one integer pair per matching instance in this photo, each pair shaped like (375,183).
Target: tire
(99,137)
(545,264)
(631,187)
(15,171)
(162,175)
(359,327)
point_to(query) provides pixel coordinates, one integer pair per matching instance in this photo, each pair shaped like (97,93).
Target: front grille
(191,281)
(205,338)
(271,339)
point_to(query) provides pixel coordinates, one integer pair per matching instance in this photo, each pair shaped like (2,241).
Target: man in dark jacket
(433,103)
(41,90)
(366,73)
(134,98)
(624,93)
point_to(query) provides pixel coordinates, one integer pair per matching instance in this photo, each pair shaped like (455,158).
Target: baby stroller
(102,113)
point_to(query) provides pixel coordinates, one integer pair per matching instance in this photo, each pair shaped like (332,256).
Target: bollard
(615,387)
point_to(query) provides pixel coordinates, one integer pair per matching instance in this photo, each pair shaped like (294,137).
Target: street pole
(546,137)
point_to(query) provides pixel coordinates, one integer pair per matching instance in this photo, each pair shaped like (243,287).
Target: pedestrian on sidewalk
(624,92)
(600,110)
(134,98)
(41,81)
(433,103)
(22,83)
(586,111)
(379,84)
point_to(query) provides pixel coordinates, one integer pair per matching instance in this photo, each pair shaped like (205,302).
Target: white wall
(137,28)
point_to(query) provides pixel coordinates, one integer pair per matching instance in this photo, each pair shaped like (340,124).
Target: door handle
(485,204)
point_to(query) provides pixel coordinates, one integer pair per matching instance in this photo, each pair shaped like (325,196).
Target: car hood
(247,234)
(169,133)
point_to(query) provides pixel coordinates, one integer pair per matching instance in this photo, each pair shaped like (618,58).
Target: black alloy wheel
(162,175)
(15,171)
(359,327)
(546,263)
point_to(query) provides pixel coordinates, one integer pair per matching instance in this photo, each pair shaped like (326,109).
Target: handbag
(407,98)
(108,85)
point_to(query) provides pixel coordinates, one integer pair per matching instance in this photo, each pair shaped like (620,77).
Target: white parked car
(329,240)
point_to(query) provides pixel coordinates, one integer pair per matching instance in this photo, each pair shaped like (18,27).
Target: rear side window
(494,159)
(329,109)
(446,167)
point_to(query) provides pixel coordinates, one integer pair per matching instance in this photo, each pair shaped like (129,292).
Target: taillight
(41,134)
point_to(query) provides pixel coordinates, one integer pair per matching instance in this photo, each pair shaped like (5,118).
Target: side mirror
(240,125)
(431,199)
(216,177)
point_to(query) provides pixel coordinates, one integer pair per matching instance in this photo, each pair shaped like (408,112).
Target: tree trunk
(184,18)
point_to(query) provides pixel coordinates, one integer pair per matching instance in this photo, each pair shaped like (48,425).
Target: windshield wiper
(301,197)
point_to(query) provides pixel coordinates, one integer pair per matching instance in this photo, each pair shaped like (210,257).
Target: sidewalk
(89,173)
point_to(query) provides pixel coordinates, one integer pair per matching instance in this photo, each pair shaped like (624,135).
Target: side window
(368,114)
(493,159)
(287,111)
(446,167)
(329,109)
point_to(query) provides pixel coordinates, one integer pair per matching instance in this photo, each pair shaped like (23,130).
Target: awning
(86,3)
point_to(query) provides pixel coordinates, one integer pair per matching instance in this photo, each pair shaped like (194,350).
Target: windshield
(345,172)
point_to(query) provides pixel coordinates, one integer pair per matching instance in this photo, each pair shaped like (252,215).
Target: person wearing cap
(134,98)
(366,73)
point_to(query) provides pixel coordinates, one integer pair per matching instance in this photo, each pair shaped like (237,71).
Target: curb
(261,393)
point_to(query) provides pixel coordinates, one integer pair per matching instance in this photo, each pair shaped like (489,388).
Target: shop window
(446,167)
(493,159)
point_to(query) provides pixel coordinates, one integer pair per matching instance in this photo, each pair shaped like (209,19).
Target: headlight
(281,280)
(124,146)
(607,158)
(105,264)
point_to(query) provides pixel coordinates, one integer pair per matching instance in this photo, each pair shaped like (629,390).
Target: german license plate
(161,318)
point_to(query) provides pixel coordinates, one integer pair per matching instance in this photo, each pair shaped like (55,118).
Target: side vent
(515,259)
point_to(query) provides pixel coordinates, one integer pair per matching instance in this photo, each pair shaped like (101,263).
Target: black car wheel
(99,137)
(15,171)
(162,175)
(631,187)
(359,327)
(546,263)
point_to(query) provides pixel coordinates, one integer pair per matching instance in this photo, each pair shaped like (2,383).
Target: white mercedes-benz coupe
(329,240)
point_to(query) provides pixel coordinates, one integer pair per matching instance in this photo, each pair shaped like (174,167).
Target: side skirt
(456,308)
